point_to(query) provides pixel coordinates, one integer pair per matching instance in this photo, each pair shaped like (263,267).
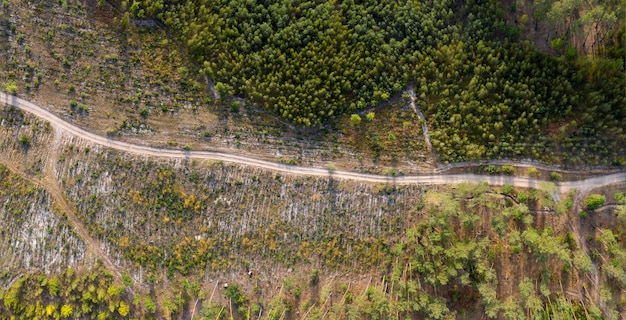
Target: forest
(486,91)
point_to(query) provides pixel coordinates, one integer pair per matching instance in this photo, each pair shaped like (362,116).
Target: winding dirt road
(582,186)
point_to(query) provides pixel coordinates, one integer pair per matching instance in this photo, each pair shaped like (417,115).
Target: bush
(234,293)
(11,87)
(507,189)
(595,201)
(509,170)
(24,140)
(66,311)
(149,303)
(491,169)
(555,176)
(356,119)
(619,197)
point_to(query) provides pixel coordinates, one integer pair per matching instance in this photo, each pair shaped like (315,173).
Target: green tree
(123,309)
(50,309)
(370,116)
(66,311)
(149,304)
(595,201)
(356,119)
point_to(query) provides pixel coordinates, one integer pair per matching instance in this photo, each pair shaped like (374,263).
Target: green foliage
(10,87)
(480,107)
(370,116)
(315,59)
(621,213)
(24,140)
(149,304)
(66,311)
(315,277)
(595,201)
(235,294)
(491,169)
(582,261)
(123,309)
(508,170)
(440,254)
(355,119)
(507,189)
(555,176)
(308,61)
(619,197)
(70,294)
(126,279)
(544,246)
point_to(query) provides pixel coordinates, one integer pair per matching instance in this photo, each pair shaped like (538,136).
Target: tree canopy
(485,92)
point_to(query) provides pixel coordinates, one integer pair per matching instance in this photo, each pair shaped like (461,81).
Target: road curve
(523,182)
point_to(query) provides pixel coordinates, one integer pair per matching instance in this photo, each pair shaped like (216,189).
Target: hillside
(303,160)
(172,238)
(484,94)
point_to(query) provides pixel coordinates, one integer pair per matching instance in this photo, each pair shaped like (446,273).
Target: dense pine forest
(487,92)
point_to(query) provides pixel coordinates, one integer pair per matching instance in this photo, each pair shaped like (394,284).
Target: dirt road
(525,182)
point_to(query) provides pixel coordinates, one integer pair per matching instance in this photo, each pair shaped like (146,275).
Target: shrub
(508,169)
(356,119)
(11,87)
(234,107)
(24,140)
(619,197)
(555,176)
(595,201)
(522,197)
(507,189)
(491,169)
(123,309)
(149,303)
(235,295)
(66,311)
